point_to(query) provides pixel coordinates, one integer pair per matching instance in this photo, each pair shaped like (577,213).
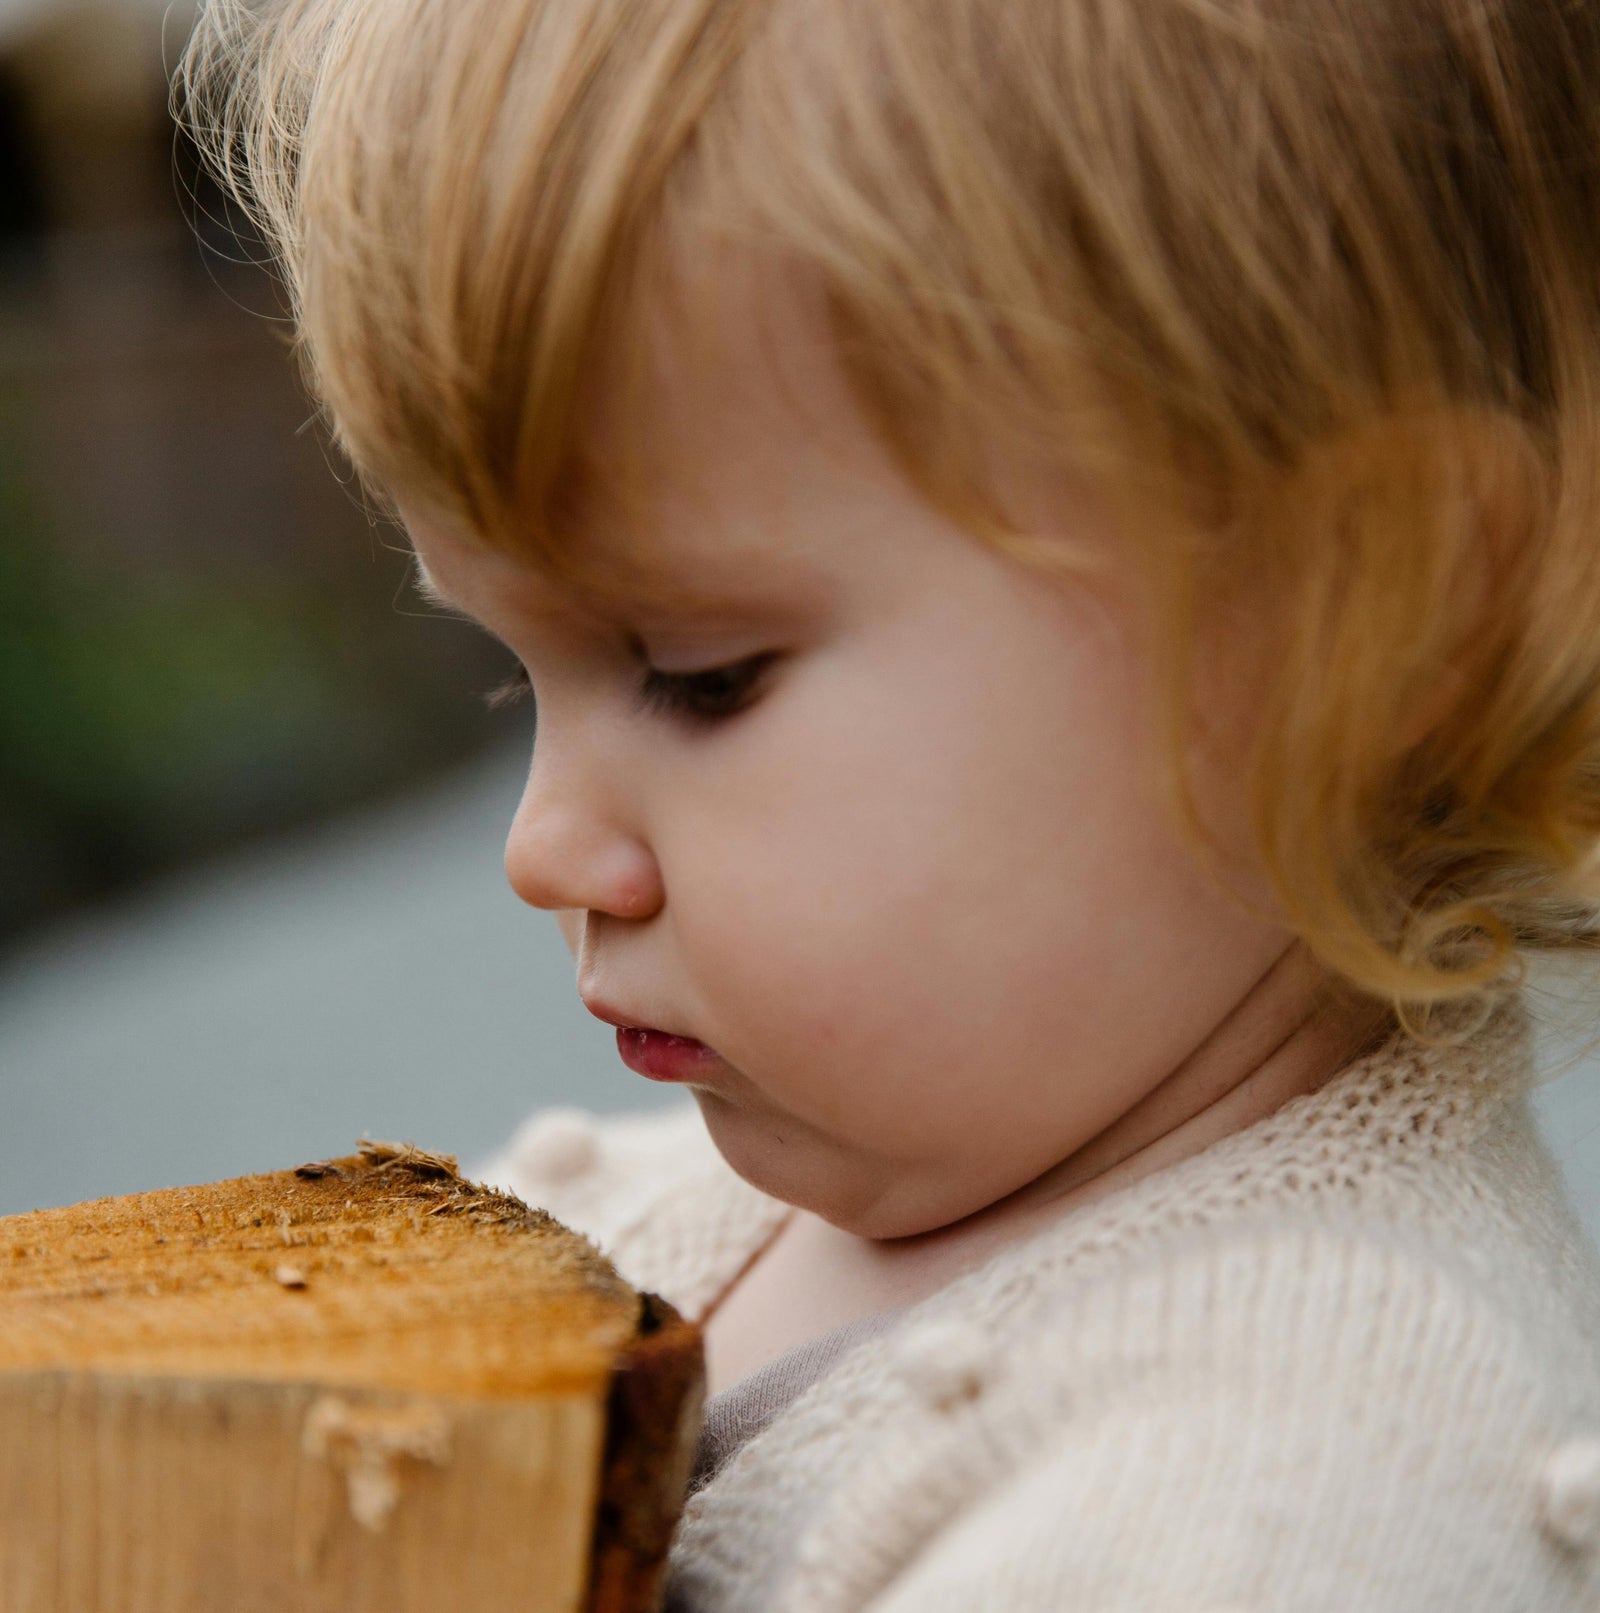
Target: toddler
(1057,548)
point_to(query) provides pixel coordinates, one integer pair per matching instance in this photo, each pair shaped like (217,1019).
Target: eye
(714,693)
(710,694)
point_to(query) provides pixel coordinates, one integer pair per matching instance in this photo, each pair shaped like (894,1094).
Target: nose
(568,848)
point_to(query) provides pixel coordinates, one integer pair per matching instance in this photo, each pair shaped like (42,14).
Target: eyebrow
(423,584)
(695,601)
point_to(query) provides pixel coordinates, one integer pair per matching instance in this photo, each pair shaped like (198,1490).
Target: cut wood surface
(362,1384)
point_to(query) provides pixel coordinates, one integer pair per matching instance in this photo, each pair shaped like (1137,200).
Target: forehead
(731,414)
(719,455)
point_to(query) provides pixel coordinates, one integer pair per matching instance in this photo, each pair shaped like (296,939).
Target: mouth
(648,1050)
(663,1057)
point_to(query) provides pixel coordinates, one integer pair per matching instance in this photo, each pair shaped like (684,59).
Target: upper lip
(623,1020)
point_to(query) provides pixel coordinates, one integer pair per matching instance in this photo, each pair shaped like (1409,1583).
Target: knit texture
(1348,1358)
(736,1415)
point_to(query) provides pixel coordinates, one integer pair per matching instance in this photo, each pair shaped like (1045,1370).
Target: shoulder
(1294,1415)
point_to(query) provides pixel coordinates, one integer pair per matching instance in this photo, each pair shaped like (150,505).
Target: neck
(1286,1036)
(1291,1032)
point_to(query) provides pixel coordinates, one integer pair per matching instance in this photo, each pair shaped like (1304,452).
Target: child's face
(919,893)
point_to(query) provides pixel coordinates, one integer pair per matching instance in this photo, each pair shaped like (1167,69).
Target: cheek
(929,916)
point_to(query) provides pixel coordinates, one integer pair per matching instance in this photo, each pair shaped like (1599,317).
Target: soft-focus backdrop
(206,640)
(251,804)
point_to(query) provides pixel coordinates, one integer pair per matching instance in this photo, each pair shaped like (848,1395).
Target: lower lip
(662,1057)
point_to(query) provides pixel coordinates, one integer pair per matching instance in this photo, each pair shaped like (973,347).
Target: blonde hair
(1310,283)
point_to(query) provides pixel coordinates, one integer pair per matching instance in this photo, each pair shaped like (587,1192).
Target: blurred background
(251,801)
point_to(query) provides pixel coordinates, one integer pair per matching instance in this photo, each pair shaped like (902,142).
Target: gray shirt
(744,1408)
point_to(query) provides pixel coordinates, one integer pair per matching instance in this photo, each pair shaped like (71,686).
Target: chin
(773,1159)
(764,1152)
(758,1153)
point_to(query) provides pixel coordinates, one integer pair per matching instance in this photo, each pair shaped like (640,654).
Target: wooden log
(364,1384)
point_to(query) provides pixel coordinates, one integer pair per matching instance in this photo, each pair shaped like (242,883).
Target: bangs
(481,210)
(1168,246)
(463,198)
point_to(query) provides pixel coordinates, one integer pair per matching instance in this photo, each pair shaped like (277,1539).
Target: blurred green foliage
(151,713)
(202,637)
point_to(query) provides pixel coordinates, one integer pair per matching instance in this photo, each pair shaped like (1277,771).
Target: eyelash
(515,688)
(672,693)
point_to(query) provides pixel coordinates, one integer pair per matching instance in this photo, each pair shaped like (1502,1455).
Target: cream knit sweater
(1345,1361)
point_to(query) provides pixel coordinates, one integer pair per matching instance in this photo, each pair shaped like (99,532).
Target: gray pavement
(377,977)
